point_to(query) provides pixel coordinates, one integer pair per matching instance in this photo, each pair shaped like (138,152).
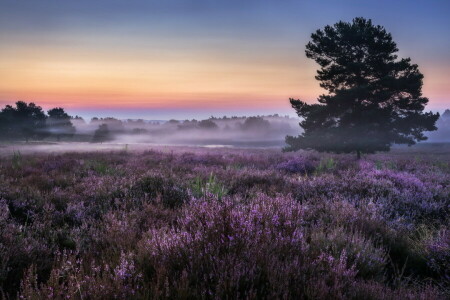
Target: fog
(106,134)
(261,131)
(267,131)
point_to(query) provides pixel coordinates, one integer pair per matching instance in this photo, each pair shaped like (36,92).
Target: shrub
(438,257)
(228,249)
(152,186)
(84,280)
(298,165)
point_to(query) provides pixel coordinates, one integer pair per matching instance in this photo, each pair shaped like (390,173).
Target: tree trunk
(358,154)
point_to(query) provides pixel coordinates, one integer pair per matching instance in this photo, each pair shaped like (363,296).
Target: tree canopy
(255,123)
(102,134)
(446,113)
(59,123)
(24,121)
(27,121)
(207,124)
(374,98)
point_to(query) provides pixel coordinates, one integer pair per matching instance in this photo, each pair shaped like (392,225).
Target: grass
(202,189)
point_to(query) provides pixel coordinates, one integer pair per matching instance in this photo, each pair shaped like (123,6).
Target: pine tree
(374,99)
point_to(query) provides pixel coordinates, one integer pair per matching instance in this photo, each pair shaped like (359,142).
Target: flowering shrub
(300,165)
(224,223)
(439,254)
(72,278)
(153,186)
(231,249)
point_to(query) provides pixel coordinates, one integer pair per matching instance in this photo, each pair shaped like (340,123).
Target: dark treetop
(374,99)
(24,121)
(59,123)
(27,121)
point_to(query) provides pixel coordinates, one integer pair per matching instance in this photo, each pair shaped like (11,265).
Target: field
(197,223)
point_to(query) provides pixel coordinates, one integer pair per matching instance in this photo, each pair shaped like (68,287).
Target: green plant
(391,165)
(379,165)
(201,189)
(16,160)
(100,167)
(325,165)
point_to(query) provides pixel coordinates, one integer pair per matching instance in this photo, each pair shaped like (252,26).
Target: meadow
(197,223)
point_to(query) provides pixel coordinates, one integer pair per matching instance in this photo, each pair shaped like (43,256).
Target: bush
(153,186)
(84,280)
(233,250)
(298,165)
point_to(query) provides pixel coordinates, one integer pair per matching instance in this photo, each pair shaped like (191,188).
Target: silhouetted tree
(59,123)
(188,125)
(79,120)
(25,121)
(139,131)
(102,134)
(207,124)
(255,123)
(138,122)
(114,125)
(446,114)
(373,100)
(442,134)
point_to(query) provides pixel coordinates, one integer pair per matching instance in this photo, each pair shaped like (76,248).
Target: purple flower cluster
(300,165)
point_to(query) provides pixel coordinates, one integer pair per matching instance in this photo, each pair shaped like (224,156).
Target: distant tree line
(24,121)
(27,121)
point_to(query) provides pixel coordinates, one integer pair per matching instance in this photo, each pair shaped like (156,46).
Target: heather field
(198,223)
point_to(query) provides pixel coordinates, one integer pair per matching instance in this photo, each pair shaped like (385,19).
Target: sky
(162,59)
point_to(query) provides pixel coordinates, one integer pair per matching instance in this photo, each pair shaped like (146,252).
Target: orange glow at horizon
(49,77)
(74,79)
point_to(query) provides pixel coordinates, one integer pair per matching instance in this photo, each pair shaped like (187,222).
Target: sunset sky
(195,58)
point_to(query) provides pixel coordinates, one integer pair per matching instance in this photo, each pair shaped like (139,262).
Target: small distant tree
(188,125)
(114,125)
(446,114)
(255,123)
(207,124)
(59,123)
(138,122)
(102,134)
(24,121)
(374,99)
(78,120)
(139,131)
